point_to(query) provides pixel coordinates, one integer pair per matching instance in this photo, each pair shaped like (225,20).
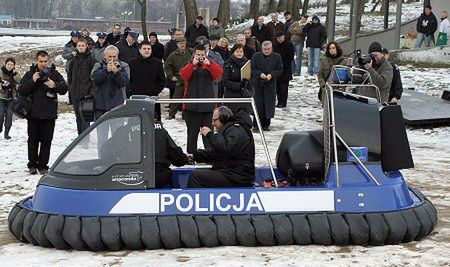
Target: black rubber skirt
(170,232)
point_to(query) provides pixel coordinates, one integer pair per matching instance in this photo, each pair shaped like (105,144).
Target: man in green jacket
(298,40)
(172,66)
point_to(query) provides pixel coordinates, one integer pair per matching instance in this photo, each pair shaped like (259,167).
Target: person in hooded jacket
(10,78)
(196,30)
(157,47)
(232,152)
(426,27)
(79,80)
(199,76)
(286,50)
(316,38)
(147,75)
(333,56)
(99,47)
(235,87)
(41,84)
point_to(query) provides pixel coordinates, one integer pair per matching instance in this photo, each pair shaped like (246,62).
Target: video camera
(363,59)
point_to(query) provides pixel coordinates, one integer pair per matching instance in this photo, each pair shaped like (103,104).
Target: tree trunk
(223,14)
(282,6)
(254,10)
(305,7)
(190,8)
(361,6)
(295,9)
(375,6)
(271,6)
(384,6)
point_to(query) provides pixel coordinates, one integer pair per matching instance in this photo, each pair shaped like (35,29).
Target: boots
(7,129)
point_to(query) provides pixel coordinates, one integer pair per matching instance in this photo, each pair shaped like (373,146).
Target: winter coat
(166,151)
(193,32)
(261,33)
(326,66)
(43,107)
(110,87)
(13,78)
(224,52)
(317,35)
(199,84)
(296,31)
(248,51)
(287,52)
(427,24)
(79,75)
(126,51)
(175,62)
(265,91)
(98,51)
(67,53)
(158,50)
(90,41)
(232,150)
(253,43)
(219,31)
(231,80)
(170,47)
(381,74)
(146,76)
(445,27)
(111,39)
(397,85)
(273,28)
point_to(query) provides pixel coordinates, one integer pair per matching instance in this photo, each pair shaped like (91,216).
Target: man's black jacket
(79,75)
(158,50)
(43,107)
(146,76)
(127,52)
(397,85)
(427,24)
(192,33)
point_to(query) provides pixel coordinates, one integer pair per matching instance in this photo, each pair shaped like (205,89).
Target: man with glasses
(114,36)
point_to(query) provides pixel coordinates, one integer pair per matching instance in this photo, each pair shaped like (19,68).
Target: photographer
(199,75)
(42,84)
(110,77)
(8,85)
(380,71)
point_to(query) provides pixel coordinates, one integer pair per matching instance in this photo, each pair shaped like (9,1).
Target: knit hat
(153,34)
(375,47)
(315,17)
(280,33)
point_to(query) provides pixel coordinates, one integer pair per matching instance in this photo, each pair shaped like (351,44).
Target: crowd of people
(197,63)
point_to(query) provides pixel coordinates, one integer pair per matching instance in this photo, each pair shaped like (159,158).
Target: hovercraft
(346,188)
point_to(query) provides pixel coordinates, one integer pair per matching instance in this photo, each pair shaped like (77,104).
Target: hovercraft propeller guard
(99,195)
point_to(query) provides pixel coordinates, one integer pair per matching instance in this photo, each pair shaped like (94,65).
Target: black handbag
(21,107)
(87,108)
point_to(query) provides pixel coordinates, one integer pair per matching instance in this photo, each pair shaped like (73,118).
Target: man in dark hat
(317,37)
(70,48)
(286,50)
(287,24)
(380,71)
(157,47)
(213,41)
(128,47)
(196,30)
(99,47)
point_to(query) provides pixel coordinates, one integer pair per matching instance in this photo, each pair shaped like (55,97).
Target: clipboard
(246,71)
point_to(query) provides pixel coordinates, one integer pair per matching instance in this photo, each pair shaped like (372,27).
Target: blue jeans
(5,108)
(297,66)
(421,38)
(313,61)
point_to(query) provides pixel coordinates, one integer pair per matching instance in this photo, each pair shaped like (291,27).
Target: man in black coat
(41,84)
(248,51)
(157,47)
(267,66)
(147,75)
(113,37)
(232,152)
(426,27)
(196,30)
(286,49)
(316,38)
(396,91)
(79,80)
(287,24)
(128,47)
(260,31)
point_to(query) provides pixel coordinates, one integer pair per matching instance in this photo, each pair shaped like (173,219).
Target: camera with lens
(44,74)
(117,64)
(363,59)
(6,88)
(201,59)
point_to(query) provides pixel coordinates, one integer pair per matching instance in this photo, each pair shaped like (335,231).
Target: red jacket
(202,85)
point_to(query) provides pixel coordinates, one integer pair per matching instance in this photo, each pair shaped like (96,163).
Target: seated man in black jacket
(232,152)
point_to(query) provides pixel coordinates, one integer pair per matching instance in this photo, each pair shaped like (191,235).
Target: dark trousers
(179,92)
(195,121)
(171,91)
(81,126)
(210,178)
(265,122)
(40,136)
(282,93)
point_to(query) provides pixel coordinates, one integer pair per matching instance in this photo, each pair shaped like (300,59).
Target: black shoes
(43,171)
(32,170)
(266,129)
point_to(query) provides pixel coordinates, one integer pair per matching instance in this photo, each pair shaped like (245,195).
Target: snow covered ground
(431,154)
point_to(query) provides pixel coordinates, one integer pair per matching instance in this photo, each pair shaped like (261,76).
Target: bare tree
(271,6)
(143,4)
(190,8)
(282,5)
(223,14)
(254,10)
(305,7)
(361,6)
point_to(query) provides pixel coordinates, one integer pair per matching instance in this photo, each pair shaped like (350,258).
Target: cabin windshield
(114,141)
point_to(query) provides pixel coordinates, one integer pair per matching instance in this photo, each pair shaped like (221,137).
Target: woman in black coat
(235,87)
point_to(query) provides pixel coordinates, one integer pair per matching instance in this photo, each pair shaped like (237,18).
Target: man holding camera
(110,77)
(200,75)
(41,84)
(380,71)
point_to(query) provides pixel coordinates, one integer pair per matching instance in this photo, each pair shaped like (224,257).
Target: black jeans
(195,121)
(40,136)
(282,93)
(81,126)
(178,93)
(210,178)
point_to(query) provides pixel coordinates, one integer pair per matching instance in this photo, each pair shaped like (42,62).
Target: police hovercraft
(346,189)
